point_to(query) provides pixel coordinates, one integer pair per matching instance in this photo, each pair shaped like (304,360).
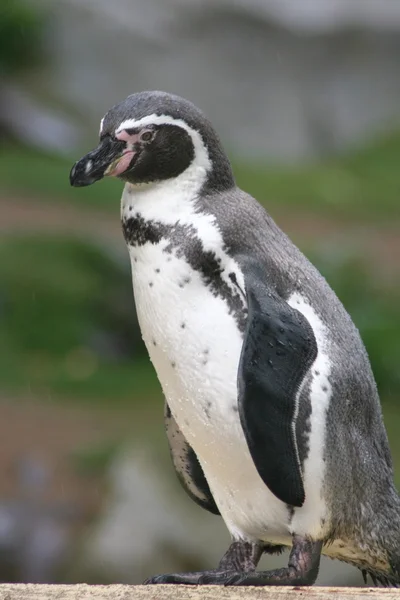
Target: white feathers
(101,126)
(309,519)
(194,344)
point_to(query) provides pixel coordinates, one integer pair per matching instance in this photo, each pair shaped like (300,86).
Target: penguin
(271,409)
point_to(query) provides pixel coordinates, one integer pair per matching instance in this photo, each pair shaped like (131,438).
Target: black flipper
(187,466)
(278,349)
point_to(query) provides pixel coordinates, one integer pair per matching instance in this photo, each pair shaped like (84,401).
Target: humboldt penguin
(271,409)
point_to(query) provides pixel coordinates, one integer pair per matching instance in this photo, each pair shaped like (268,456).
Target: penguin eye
(146,136)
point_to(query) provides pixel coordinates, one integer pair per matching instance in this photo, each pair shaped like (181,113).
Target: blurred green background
(76,386)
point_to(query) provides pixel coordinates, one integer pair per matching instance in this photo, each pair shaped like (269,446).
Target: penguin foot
(242,556)
(302,569)
(212,577)
(237,567)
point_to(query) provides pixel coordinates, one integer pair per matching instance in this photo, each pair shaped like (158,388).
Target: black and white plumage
(272,412)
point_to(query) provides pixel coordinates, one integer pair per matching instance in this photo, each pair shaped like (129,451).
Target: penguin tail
(380,579)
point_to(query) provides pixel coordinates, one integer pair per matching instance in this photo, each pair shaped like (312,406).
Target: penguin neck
(166,201)
(160,210)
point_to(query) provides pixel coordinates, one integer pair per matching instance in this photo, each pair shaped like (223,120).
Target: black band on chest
(184,242)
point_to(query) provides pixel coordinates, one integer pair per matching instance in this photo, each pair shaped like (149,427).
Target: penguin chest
(191,335)
(194,341)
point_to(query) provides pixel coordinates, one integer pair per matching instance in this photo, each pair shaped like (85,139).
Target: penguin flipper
(278,350)
(187,466)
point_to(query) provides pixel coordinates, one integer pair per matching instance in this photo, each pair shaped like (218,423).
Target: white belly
(194,344)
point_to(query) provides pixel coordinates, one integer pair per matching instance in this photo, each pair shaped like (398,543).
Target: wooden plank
(173,592)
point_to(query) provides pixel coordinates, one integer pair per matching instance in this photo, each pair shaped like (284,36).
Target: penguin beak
(107,159)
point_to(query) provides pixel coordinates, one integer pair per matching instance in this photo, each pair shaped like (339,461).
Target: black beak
(92,166)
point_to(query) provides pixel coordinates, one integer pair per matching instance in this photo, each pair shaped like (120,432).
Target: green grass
(374,310)
(66,310)
(26,171)
(365,184)
(392,423)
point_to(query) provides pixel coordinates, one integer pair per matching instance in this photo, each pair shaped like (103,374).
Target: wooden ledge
(177,592)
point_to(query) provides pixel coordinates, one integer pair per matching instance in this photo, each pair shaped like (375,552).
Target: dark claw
(158,579)
(195,578)
(364,574)
(374,579)
(235,579)
(172,578)
(214,578)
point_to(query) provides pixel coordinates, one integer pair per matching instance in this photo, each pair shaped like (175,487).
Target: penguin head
(153,136)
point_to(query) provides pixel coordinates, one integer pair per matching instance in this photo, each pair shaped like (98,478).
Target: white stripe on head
(201,159)
(101,126)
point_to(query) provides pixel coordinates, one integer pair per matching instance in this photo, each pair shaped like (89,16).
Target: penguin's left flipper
(187,466)
(278,350)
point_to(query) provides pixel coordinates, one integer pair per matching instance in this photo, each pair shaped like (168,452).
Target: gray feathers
(187,466)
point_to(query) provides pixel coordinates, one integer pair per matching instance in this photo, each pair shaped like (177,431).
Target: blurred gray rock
(35,536)
(36,124)
(282,79)
(150,526)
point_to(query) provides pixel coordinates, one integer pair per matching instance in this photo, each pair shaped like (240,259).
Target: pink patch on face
(122,164)
(124,136)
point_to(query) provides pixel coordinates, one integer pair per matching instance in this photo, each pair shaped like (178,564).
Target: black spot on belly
(184,242)
(183,325)
(184,282)
(150,284)
(157,270)
(173,364)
